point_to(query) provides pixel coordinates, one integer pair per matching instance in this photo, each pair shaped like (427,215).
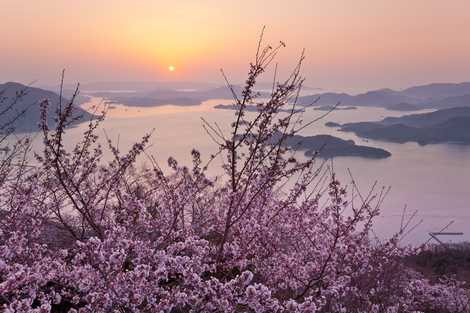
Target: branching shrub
(274,233)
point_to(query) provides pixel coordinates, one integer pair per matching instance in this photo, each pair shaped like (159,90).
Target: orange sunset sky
(350,44)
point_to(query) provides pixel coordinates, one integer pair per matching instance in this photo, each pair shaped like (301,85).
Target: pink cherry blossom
(273,233)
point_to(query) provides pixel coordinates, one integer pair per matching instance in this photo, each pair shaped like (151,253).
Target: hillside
(20,107)
(377,98)
(329,146)
(450,102)
(438,96)
(438,90)
(428,119)
(443,126)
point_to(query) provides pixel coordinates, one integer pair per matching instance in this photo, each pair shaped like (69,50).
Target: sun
(171,68)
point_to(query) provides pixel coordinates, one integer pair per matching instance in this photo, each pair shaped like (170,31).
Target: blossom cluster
(272,234)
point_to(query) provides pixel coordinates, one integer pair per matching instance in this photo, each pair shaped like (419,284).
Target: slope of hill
(437,96)
(403,106)
(449,102)
(428,119)
(438,90)
(443,126)
(251,108)
(329,146)
(20,107)
(377,98)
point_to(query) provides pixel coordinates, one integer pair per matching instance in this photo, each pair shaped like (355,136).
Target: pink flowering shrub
(272,234)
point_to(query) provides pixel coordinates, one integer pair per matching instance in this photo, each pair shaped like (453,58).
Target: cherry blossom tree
(276,232)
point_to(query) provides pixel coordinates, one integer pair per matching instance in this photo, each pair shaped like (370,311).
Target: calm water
(432,179)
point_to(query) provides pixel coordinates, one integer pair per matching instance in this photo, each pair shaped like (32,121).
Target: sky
(351,45)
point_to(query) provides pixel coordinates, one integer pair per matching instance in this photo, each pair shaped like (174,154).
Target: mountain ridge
(21,111)
(442,126)
(434,95)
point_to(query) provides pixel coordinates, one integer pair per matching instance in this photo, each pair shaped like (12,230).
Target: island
(442,126)
(332,124)
(430,96)
(327,146)
(169,96)
(21,108)
(334,108)
(403,106)
(251,108)
(147,101)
